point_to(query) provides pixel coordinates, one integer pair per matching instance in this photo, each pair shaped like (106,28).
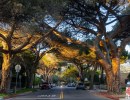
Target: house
(124,72)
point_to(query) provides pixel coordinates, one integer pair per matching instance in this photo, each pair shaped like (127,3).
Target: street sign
(17,68)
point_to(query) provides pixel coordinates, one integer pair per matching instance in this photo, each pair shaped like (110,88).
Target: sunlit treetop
(49,59)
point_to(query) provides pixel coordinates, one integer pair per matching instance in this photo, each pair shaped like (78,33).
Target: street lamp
(17,69)
(20,80)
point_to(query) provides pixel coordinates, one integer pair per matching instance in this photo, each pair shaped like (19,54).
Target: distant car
(53,85)
(80,86)
(71,85)
(45,86)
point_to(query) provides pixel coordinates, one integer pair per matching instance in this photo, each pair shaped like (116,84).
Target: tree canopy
(81,34)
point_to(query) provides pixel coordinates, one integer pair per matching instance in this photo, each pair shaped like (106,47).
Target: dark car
(80,86)
(45,86)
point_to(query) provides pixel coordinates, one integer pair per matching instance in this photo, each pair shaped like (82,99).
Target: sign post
(17,69)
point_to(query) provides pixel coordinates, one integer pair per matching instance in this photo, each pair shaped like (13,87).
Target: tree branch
(125,42)
(3,36)
(3,50)
(22,46)
(84,29)
(10,34)
(26,45)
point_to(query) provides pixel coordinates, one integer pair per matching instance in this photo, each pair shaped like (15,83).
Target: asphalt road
(57,93)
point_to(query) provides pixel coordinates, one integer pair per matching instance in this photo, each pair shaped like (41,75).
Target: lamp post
(20,80)
(17,69)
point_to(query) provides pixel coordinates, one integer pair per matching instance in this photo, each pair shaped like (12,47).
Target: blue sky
(127,48)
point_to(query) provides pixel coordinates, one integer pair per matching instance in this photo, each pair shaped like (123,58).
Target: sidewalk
(14,95)
(104,93)
(17,94)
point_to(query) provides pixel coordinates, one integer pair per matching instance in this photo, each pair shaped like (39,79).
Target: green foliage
(63,63)
(124,56)
(25,59)
(20,9)
(55,7)
(28,57)
(55,79)
(70,72)
(25,90)
(4,95)
(37,80)
(125,53)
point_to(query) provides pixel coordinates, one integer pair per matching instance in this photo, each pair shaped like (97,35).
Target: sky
(127,48)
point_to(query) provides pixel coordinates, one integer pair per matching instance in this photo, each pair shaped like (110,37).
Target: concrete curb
(113,97)
(25,93)
(14,95)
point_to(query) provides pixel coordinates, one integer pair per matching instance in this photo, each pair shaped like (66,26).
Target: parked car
(80,86)
(71,85)
(53,85)
(45,86)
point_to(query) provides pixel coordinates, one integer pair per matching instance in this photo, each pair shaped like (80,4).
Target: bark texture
(5,73)
(112,75)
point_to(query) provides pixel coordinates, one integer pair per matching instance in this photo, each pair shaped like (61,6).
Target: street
(56,93)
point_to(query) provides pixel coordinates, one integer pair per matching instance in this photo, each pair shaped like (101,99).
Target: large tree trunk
(29,80)
(112,75)
(113,82)
(80,70)
(5,73)
(32,72)
(92,77)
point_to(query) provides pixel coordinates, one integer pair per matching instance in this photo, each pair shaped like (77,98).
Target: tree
(47,66)
(71,52)
(70,74)
(30,60)
(25,59)
(19,31)
(92,19)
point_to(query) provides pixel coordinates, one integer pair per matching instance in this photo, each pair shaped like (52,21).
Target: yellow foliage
(3,32)
(115,65)
(123,59)
(49,59)
(107,40)
(69,52)
(101,43)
